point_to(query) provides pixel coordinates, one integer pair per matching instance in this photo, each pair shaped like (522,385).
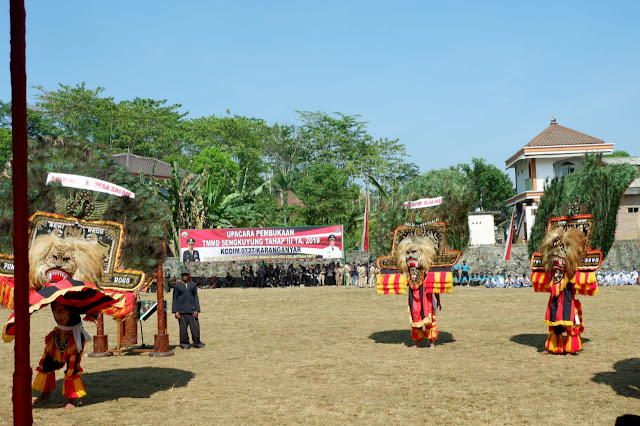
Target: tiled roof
(557,135)
(136,163)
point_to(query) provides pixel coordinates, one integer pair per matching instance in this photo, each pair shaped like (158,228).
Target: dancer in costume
(565,267)
(63,346)
(414,257)
(62,271)
(562,252)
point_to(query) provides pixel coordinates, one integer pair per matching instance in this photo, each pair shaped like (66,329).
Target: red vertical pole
(22,414)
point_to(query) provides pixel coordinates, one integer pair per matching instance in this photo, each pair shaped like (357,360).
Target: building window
(567,168)
(632,209)
(533,212)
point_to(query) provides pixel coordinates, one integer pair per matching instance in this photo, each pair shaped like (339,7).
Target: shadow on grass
(535,340)
(625,380)
(396,337)
(111,385)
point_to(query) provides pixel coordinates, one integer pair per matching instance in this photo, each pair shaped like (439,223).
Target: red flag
(507,245)
(365,231)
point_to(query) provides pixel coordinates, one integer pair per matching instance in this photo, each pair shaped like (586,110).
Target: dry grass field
(344,355)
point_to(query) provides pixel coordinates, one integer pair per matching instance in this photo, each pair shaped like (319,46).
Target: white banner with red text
(304,242)
(83,182)
(422,203)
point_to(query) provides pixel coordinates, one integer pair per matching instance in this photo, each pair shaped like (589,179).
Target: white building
(481,229)
(557,151)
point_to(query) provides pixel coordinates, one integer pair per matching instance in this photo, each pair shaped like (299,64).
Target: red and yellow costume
(65,344)
(60,350)
(558,269)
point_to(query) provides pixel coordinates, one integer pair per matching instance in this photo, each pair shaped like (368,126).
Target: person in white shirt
(510,282)
(520,282)
(331,251)
(608,279)
(494,281)
(634,276)
(527,281)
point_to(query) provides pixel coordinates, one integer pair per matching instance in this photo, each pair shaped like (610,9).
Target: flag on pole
(507,245)
(365,231)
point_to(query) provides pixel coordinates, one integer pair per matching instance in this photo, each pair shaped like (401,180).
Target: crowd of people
(331,274)
(365,275)
(617,278)
(270,275)
(463,277)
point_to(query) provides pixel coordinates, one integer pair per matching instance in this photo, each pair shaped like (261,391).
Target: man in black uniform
(191,255)
(186,307)
(261,275)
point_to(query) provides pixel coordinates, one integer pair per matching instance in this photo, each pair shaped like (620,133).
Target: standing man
(465,273)
(261,274)
(321,274)
(186,307)
(347,273)
(339,272)
(191,255)
(373,275)
(362,276)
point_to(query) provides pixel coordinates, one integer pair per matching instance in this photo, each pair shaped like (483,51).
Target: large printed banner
(210,245)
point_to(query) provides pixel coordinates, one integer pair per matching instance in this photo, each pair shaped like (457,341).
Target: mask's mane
(573,241)
(87,258)
(426,252)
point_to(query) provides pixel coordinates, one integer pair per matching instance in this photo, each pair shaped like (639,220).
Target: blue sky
(452,80)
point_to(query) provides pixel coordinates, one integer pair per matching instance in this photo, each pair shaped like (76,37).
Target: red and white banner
(323,242)
(83,182)
(365,230)
(423,202)
(507,246)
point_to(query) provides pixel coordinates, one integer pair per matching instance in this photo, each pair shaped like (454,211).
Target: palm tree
(283,182)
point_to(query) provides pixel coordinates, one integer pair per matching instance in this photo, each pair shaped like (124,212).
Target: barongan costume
(565,267)
(420,267)
(66,271)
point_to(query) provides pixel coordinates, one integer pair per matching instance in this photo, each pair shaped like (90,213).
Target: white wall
(522,174)
(544,170)
(529,218)
(481,229)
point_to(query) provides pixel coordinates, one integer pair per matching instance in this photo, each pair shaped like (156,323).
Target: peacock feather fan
(145,217)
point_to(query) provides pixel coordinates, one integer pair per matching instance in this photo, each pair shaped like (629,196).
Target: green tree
(283,148)
(217,165)
(142,126)
(456,190)
(490,186)
(77,112)
(146,127)
(37,124)
(241,137)
(6,146)
(283,181)
(326,191)
(618,153)
(343,141)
